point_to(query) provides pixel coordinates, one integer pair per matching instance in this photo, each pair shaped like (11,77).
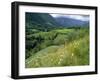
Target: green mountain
(40,21)
(70,22)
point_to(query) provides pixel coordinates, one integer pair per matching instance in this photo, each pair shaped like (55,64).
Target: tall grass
(66,47)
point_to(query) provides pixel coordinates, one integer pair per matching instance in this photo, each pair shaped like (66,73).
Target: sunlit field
(61,47)
(56,47)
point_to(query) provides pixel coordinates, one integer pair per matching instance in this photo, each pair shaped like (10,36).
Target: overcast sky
(78,17)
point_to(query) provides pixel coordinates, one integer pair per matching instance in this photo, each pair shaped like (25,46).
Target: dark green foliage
(39,40)
(71,47)
(31,31)
(41,21)
(49,44)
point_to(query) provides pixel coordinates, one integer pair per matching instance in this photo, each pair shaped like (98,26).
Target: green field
(57,47)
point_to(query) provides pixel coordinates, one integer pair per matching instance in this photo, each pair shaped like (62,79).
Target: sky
(78,17)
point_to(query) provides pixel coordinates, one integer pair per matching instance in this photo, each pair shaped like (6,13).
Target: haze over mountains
(69,22)
(47,20)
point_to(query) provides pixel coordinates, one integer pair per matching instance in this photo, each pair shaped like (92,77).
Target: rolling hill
(55,41)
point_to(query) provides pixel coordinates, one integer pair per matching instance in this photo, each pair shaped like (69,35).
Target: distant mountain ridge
(69,22)
(46,21)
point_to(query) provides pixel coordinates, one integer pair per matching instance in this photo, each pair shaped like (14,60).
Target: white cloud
(78,17)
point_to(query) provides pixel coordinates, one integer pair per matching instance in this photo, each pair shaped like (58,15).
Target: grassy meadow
(59,47)
(56,46)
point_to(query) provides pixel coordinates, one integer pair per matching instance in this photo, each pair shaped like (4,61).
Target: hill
(69,22)
(40,20)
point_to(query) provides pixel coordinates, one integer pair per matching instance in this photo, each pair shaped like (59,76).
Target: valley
(50,44)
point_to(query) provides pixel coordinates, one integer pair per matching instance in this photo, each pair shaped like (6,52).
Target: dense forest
(50,43)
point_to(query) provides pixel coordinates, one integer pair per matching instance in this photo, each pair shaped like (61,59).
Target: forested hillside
(51,44)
